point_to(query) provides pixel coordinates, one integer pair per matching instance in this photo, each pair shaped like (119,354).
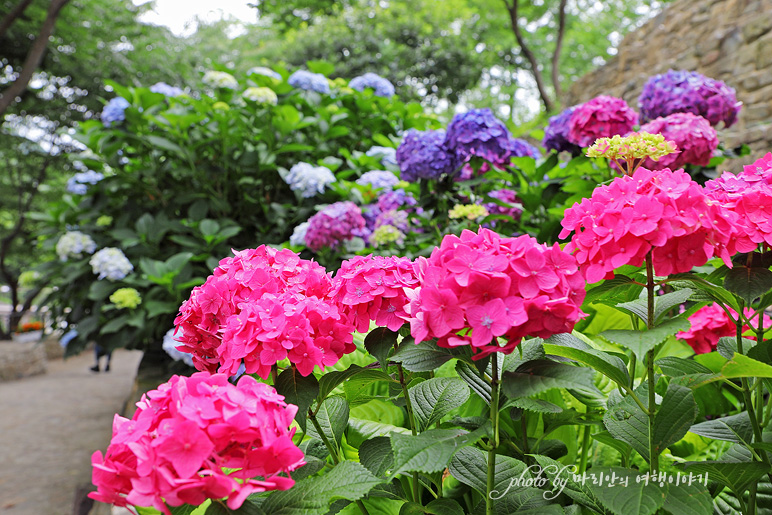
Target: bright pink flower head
(371,288)
(260,307)
(481,286)
(663,211)
(198,438)
(709,323)
(601,117)
(695,138)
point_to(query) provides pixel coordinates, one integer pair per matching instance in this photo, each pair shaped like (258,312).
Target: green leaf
(332,417)
(743,366)
(535,405)
(640,342)
(735,476)
(435,398)
(331,380)
(631,497)
(114,325)
(605,438)
(761,352)
(610,366)
(312,466)
(430,451)
(562,481)
(748,283)
(478,385)
(369,429)
(686,499)
(298,390)
(436,507)
(208,227)
(540,376)
(421,357)
(312,496)
(379,343)
(734,428)
(376,455)
(100,290)
(611,288)
(356,387)
(165,144)
(676,367)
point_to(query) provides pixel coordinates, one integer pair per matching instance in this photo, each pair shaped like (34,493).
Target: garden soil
(50,424)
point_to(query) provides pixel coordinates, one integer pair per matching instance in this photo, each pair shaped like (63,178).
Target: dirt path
(50,425)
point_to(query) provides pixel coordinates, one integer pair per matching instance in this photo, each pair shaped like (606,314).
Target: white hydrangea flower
(262,70)
(299,234)
(261,95)
(170,346)
(111,263)
(74,244)
(217,79)
(309,179)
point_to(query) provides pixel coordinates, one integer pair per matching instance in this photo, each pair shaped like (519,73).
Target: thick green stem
(585,448)
(333,451)
(413,427)
(494,444)
(653,453)
(632,370)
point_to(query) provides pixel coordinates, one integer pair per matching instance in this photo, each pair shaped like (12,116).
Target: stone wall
(729,40)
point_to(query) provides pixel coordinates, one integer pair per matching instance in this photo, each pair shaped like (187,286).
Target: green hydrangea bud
(630,151)
(468,211)
(126,298)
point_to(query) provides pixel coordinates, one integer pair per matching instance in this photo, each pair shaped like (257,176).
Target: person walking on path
(100,352)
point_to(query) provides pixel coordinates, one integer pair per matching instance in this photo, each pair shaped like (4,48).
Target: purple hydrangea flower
(601,117)
(309,81)
(114,111)
(165,89)
(378,179)
(396,199)
(556,133)
(383,87)
(479,133)
(393,217)
(689,92)
(335,224)
(521,148)
(423,155)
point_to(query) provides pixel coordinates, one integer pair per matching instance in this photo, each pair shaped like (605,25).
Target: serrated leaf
(664,303)
(535,405)
(611,288)
(217,508)
(605,438)
(369,429)
(436,507)
(686,499)
(563,482)
(672,366)
(528,350)
(379,343)
(640,342)
(430,451)
(735,476)
(610,366)
(421,357)
(312,466)
(331,380)
(727,346)
(734,428)
(748,283)
(435,398)
(761,352)
(743,366)
(478,385)
(376,455)
(298,390)
(332,417)
(631,497)
(540,376)
(356,387)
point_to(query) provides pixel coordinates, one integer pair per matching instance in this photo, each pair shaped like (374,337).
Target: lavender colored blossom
(396,199)
(309,81)
(165,89)
(378,179)
(479,133)
(388,155)
(689,92)
(114,111)
(383,87)
(393,217)
(556,133)
(298,237)
(334,225)
(308,179)
(423,155)
(521,148)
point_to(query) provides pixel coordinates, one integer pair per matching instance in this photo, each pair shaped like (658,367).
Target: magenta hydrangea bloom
(198,438)
(480,286)
(693,135)
(689,92)
(711,322)
(373,288)
(479,133)
(662,211)
(335,224)
(556,133)
(601,117)
(260,307)
(423,155)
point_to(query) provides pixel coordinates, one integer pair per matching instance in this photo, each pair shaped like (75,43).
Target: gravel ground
(50,425)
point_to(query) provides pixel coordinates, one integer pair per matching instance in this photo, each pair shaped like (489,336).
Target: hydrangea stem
(653,453)
(494,444)
(411,419)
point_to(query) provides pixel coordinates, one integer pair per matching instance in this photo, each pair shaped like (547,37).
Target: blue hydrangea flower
(388,155)
(262,70)
(170,346)
(423,155)
(165,89)
(521,148)
(556,133)
(68,337)
(309,179)
(309,81)
(74,244)
(378,179)
(110,263)
(382,86)
(77,183)
(478,133)
(299,234)
(113,111)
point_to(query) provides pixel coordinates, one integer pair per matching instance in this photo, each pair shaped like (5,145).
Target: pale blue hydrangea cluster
(262,70)
(165,89)
(217,79)
(111,263)
(299,235)
(308,179)
(261,96)
(70,335)
(77,183)
(114,111)
(378,179)
(74,244)
(309,81)
(170,346)
(388,155)
(381,86)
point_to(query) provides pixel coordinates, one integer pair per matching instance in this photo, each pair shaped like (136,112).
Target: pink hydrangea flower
(198,438)
(663,211)
(601,117)
(480,286)
(695,138)
(335,224)
(709,323)
(260,307)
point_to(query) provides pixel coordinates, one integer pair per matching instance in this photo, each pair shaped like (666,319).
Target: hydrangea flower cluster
(335,224)
(216,79)
(711,322)
(480,286)
(556,133)
(521,148)
(308,179)
(299,234)
(393,217)
(382,86)
(660,211)
(468,211)
(388,155)
(479,133)
(110,263)
(601,117)
(198,438)
(126,298)
(262,70)
(386,235)
(378,179)
(689,92)
(260,307)
(629,152)
(309,81)
(165,89)
(169,345)
(74,244)
(261,95)
(114,111)
(395,199)
(373,288)
(693,136)
(749,196)
(508,196)
(423,155)
(77,183)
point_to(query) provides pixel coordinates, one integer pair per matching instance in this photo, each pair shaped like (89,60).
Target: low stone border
(18,360)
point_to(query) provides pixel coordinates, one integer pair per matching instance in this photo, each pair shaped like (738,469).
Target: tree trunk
(14,13)
(558,46)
